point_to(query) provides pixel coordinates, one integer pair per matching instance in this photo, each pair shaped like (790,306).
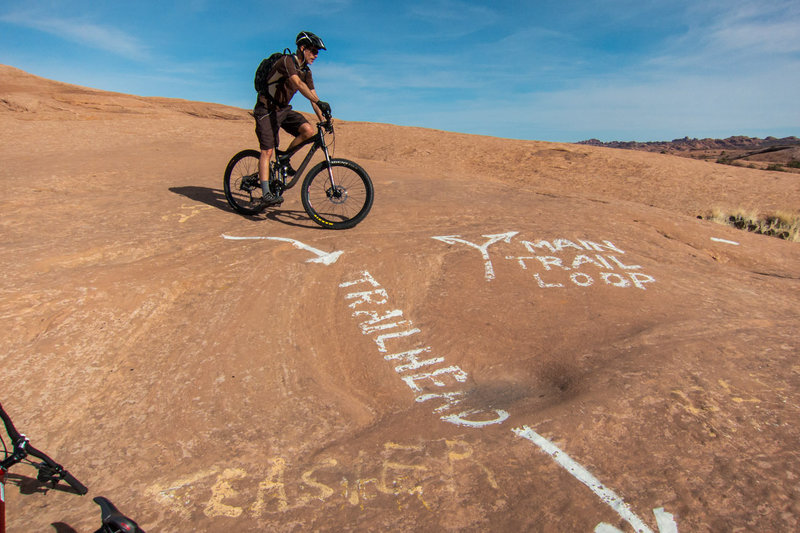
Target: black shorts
(269,122)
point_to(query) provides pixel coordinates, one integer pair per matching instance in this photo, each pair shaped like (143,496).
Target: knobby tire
(241,183)
(341,206)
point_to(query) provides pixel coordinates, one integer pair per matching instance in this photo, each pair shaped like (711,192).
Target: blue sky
(560,70)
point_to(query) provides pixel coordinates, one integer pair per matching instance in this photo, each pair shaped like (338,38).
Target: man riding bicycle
(292,73)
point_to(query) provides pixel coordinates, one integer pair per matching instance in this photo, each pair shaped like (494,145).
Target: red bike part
(2,501)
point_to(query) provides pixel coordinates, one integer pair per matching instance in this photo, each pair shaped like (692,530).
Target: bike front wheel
(340,203)
(241,183)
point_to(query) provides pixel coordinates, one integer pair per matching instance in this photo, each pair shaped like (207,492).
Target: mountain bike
(336,193)
(50,474)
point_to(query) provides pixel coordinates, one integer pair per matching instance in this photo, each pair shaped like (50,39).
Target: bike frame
(14,458)
(3,470)
(318,142)
(2,500)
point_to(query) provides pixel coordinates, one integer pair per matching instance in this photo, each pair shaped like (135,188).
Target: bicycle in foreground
(336,193)
(50,474)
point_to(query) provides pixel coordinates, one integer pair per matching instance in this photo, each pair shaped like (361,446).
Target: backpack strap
(268,97)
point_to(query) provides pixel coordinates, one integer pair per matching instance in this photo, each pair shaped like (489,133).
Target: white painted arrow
(726,241)
(665,522)
(483,249)
(326,258)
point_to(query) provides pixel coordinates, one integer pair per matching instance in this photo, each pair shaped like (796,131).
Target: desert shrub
(780,224)
(776,167)
(793,164)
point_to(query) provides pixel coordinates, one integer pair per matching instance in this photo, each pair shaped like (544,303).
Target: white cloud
(695,105)
(780,36)
(88,34)
(736,35)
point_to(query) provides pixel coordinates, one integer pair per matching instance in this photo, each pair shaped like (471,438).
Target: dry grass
(780,224)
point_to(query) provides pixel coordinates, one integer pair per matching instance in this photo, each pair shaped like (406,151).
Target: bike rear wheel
(241,183)
(341,204)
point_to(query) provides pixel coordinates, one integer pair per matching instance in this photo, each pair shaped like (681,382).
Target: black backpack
(261,81)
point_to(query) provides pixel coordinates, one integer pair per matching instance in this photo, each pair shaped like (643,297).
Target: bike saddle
(113,520)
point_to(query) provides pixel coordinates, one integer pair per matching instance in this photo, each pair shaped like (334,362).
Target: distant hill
(770,153)
(688,144)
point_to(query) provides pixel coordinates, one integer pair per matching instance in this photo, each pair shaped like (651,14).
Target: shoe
(270,199)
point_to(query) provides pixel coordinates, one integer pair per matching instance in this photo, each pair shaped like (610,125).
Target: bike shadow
(216,198)
(290,217)
(61,527)
(212,197)
(29,485)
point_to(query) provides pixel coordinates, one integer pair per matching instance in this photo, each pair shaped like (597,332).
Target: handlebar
(49,470)
(10,429)
(113,521)
(327,125)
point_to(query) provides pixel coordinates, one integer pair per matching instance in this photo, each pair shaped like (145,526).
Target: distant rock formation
(688,144)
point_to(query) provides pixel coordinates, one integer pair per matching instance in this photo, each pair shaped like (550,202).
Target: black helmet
(309,39)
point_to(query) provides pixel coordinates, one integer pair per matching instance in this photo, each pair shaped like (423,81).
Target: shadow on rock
(29,485)
(292,217)
(216,198)
(61,527)
(212,197)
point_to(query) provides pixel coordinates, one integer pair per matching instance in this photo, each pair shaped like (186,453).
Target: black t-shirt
(281,92)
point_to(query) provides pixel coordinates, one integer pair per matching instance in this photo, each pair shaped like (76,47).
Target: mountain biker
(272,111)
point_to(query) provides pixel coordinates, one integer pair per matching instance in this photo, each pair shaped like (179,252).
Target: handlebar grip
(79,487)
(52,471)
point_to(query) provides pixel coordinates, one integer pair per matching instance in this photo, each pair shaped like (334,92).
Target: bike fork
(330,167)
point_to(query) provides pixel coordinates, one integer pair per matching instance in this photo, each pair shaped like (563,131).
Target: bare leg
(267,196)
(306,132)
(263,166)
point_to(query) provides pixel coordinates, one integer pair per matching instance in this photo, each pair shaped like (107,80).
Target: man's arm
(296,83)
